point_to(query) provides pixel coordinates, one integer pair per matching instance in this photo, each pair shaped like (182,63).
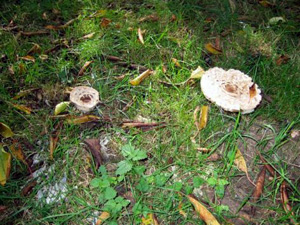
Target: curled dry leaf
(175,61)
(5,130)
(86,65)
(95,148)
(82,119)
(212,49)
(140,35)
(61,107)
(204,214)
(17,152)
(105,22)
(136,81)
(5,165)
(203,117)
(22,108)
(28,58)
(258,188)
(54,138)
(285,199)
(150,219)
(104,216)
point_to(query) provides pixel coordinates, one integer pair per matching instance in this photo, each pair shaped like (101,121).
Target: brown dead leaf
(252,91)
(175,61)
(27,189)
(28,58)
(150,219)
(212,49)
(82,119)
(283,59)
(204,214)
(104,216)
(240,162)
(5,130)
(95,148)
(86,65)
(17,152)
(173,18)
(218,42)
(151,18)
(141,77)
(54,138)
(140,35)
(268,166)
(35,49)
(164,69)
(259,187)
(22,108)
(24,93)
(203,117)
(105,22)
(285,199)
(5,165)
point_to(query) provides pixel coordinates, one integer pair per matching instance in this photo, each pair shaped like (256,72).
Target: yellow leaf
(86,64)
(61,107)
(140,35)
(82,119)
(5,130)
(28,58)
(24,93)
(204,214)
(149,220)
(140,78)
(196,74)
(203,117)
(212,49)
(5,165)
(175,61)
(240,161)
(23,108)
(104,216)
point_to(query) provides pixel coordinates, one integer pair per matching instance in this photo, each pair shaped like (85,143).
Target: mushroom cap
(84,98)
(232,90)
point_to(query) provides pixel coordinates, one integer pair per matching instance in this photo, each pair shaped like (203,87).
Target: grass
(173,164)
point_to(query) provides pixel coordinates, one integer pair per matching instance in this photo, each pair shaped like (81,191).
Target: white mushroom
(232,90)
(84,98)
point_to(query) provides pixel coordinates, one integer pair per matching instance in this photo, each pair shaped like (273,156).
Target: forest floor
(138,157)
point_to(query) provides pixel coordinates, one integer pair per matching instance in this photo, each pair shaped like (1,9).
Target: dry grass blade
(85,66)
(204,214)
(60,27)
(35,49)
(33,33)
(140,35)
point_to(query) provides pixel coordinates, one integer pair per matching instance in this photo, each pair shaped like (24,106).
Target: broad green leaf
(61,107)
(220,190)
(198,181)
(212,181)
(139,155)
(127,150)
(124,167)
(5,130)
(177,186)
(95,182)
(143,185)
(5,165)
(110,193)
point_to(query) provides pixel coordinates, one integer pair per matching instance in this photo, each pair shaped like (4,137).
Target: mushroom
(84,98)
(232,90)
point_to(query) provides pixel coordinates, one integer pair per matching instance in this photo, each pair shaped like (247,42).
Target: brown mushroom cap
(84,98)
(232,90)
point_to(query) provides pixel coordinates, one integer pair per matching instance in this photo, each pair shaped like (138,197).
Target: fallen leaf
(204,214)
(17,152)
(105,22)
(149,220)
(24,93)
(28,58)
(181,211)
(121,77)
(22,68)
(88,36)
(136,81)
(59,27)
(173,18)
(175,61)
(212,49)
(218,43)
(268,167)
(43,57)
(259,187)
(152,18)
(35,49)
(266,3)
(95,148)
(11,70)
(283,59)
(213,157)
(82,119)
(240,161)
(142,125)
(28,188)
(164,69)
(196,112)
(22,108)
(203,117)
(140,35)
(5,165)
(61,107)
(104,216)
(54,138)
(5,130)
(285,200)
(86,65)
(252,91)
(197,73)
